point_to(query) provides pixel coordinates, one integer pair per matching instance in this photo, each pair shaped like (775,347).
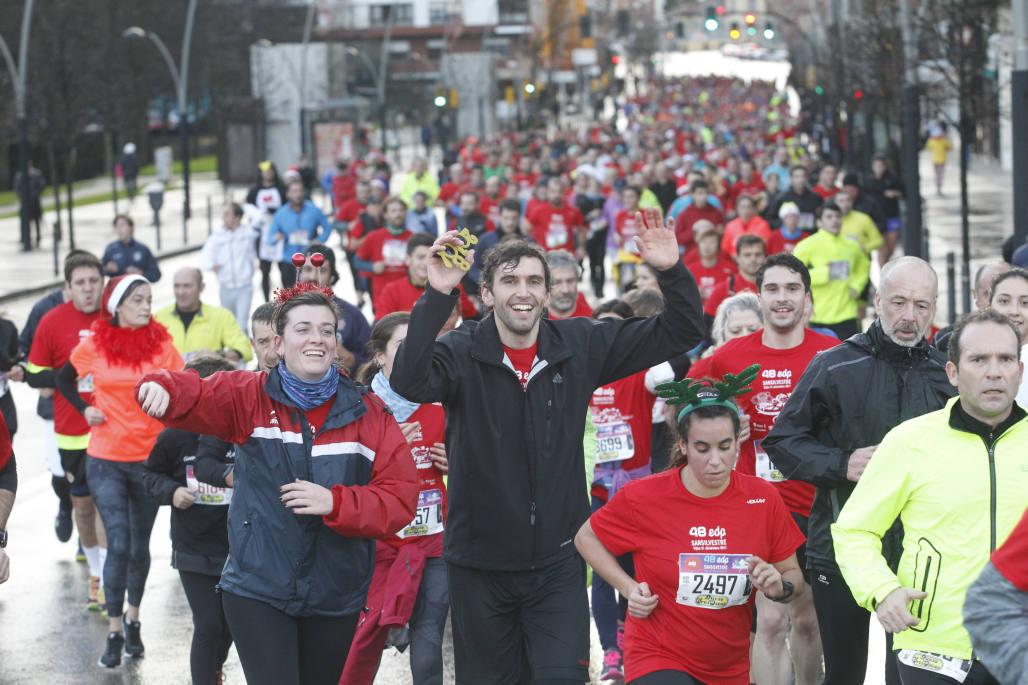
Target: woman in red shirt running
(702,537)
(408,599)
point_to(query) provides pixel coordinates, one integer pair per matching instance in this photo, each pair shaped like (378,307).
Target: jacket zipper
(992,495)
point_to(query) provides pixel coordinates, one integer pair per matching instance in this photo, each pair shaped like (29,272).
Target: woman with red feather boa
(118,352)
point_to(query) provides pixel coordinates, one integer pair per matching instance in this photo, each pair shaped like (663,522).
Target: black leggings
(596,249)
(276,649)
(211,636)
(287,272)
(266,279)
(666,678)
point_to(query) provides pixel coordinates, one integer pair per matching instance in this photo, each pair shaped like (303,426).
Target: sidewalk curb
(53,285)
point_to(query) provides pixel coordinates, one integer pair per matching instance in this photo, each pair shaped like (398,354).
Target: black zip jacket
(517,492)
(849,397)
(199,534)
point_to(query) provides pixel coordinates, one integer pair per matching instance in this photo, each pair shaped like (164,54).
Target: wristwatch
(3,538)
(787,591)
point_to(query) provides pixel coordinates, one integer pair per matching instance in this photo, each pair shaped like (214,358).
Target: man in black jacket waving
(846,401)
(516,388)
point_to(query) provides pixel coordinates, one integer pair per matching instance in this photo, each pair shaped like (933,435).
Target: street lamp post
(18,74)
(379,80)
(180,78)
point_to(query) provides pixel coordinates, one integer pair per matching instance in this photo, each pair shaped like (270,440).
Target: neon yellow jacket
(832,300)
(412,184)
(213,328)
(860,227)
(957,503)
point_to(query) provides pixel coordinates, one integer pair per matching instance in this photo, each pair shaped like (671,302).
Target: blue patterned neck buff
(401,407)
(307,395)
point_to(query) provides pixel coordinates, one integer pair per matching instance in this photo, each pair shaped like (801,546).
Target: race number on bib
(300,238)
(85,383)
(557,236)
(713,581)
(394,252)
(207,493)
(765,468)
(614,442)
(948,666)
(428,520)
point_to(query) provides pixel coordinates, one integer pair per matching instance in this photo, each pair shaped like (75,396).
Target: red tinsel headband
(283,295)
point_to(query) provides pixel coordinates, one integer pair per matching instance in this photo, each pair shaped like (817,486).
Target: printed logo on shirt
(768,404)
(756,501)
(781,378)
(422,458)
(704,538)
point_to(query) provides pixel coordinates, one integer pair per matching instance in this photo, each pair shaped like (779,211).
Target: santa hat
(115,290)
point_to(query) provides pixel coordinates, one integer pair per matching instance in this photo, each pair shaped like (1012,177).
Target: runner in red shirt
(408,588)
(826,187)
(789,234)
(401,294)
(555,225)
(59,332)
(625,232)
(702,538)
(565,299)
(8,488)
(449,193)
(710,266)
(699,209)
(383,252)
(750,254)
(748,221)
(783,349)
(749,183)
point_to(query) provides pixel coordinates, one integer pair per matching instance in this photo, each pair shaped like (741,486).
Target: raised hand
(440,276)
(656,242)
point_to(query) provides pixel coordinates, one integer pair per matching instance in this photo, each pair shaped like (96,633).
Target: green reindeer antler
(736,384)
(681,392)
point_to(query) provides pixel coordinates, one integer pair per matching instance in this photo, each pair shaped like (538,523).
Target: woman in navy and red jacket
(409,598)
(321,469)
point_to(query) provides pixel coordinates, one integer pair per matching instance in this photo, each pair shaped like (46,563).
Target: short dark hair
(747,239)
(126,217)
(616,307)
(237,209)
(697,185)
(314,298)
(512,252)
(80,259)
(745,198)
(419,240)
(788,261)
(472,193)
(207,364)
(262,314)
(1015,272)
(830,206)
(976,317)
(381,334)
(797,167)
(510,205)
(395,200)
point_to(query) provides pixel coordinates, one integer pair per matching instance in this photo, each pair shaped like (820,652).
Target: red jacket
(301,565)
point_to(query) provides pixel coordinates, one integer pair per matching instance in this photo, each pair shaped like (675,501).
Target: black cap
(851,179)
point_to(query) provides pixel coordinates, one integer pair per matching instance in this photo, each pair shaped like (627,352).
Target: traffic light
(453,97)
(769,31)
(734,33)
(711,23)
(751,30)
(819,90)
(615,59)
(858,94)
(585,26)
(440,101)
(529,87)
(720,9)
(623,20)
(750,18)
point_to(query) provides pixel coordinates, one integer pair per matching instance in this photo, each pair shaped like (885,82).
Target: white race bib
(207,493)
(713,581)
(428,520)
(765,468)
(614,442)
(394,252)
(948,666)
(85,383)
(557,236)
(838,271)
(300,238)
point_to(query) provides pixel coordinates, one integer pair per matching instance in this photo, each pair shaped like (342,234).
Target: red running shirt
(672,535)
(522,361)
(623,415)
(582,308)
(780,371)
(725,289)
(383,246)
(555,227)
(59,332)
(430,516)
(709,278)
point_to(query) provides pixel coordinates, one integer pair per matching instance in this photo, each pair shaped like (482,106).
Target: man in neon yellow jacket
(839,269)
(197,327)
(957,479)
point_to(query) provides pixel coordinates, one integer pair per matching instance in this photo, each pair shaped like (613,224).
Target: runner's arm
(387,503)
(994,613)
(40,376)
(602,561)
(222,405)
(794,443)
(159,466)
(66,382)
(211,465)
(424,369)
(876,502)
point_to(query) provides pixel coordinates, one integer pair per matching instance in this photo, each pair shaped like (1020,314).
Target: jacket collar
(347,407)
(962,421)
(486,345)
(881,346)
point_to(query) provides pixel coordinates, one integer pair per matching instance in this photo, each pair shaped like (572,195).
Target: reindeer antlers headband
(698,393)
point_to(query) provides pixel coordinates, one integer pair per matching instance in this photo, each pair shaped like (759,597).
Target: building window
(442,12)
(400,15)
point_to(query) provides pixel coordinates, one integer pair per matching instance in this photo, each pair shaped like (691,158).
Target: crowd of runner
(635,372)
